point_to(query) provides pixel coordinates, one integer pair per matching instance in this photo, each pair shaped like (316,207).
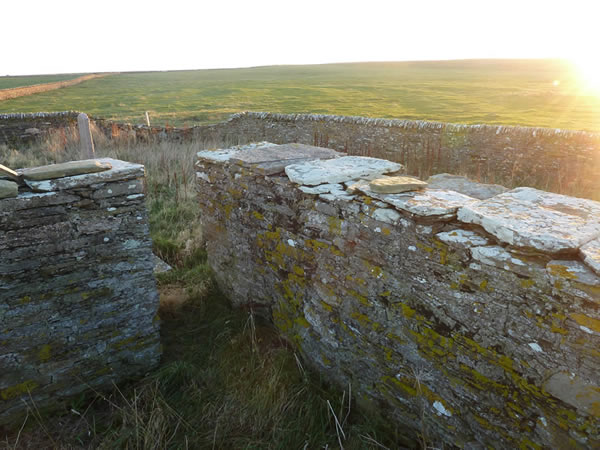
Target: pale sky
(66,36)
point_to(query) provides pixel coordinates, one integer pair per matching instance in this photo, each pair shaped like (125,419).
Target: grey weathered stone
(527,217)
(591,254)
(66,169)
(117,170)
(427,202)
(576,392)
(339,170)
(396,185)
(78,299)
(425,314)
(8,189)
(465,186)
(463,238)
(160,266)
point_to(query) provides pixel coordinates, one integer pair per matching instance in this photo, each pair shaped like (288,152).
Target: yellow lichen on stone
(45,353)
(588,322)
(17,390)
(258,215)
(558,270)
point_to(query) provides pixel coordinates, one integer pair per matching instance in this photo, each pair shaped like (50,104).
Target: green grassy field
(13,82)
(506,92)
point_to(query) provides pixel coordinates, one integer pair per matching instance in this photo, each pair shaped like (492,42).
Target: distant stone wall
(78,299)
(563,161)
(23,128)
(475,322)
(558,160)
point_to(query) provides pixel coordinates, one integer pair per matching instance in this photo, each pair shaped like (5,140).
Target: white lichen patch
(339,170)
(535,347)
(528,217)
(462,238)
(499,257)
(441,409)
(386,215)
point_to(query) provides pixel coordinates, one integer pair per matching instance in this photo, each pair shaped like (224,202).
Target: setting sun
(588,70)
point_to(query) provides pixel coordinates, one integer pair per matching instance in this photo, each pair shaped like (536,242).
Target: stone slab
(574,391)
(465,186)
(571,270)
(120,170)
(527,217)
(426,203)
(272,153)
(331,191)
(396,185)
(225,155)
(8,189)
(339,170)
(590,253)
(66,169)
(462,238)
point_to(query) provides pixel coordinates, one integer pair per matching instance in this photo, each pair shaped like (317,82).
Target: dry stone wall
(474,321)
(78,298)
(565,161)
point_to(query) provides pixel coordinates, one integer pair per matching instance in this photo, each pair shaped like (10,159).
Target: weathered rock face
(78,298)
(477,339)
(8,189)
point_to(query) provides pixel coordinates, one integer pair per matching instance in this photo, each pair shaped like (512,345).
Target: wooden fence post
(147,119)
(85,135)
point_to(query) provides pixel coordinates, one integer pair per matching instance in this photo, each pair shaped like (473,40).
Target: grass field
(506,92)
(13,82)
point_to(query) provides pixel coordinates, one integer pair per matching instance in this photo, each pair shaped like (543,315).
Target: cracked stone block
(339,170)
(527,217)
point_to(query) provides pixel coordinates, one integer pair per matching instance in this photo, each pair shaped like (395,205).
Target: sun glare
(588,69)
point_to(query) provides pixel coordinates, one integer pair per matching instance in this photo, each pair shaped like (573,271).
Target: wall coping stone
(120,170)
(528,217)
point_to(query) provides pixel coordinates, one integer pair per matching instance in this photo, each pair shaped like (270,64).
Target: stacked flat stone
(78,299)
(474,319)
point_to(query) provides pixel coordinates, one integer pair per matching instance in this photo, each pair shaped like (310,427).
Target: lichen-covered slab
(272,153)
(575,278)
(590,253)
(225,155)
(428,202)
(462,238)
(465,186)
(527,217)
(66,169)
(396,185)
(330,191)
(120,170)
(339,170)
(8,189)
